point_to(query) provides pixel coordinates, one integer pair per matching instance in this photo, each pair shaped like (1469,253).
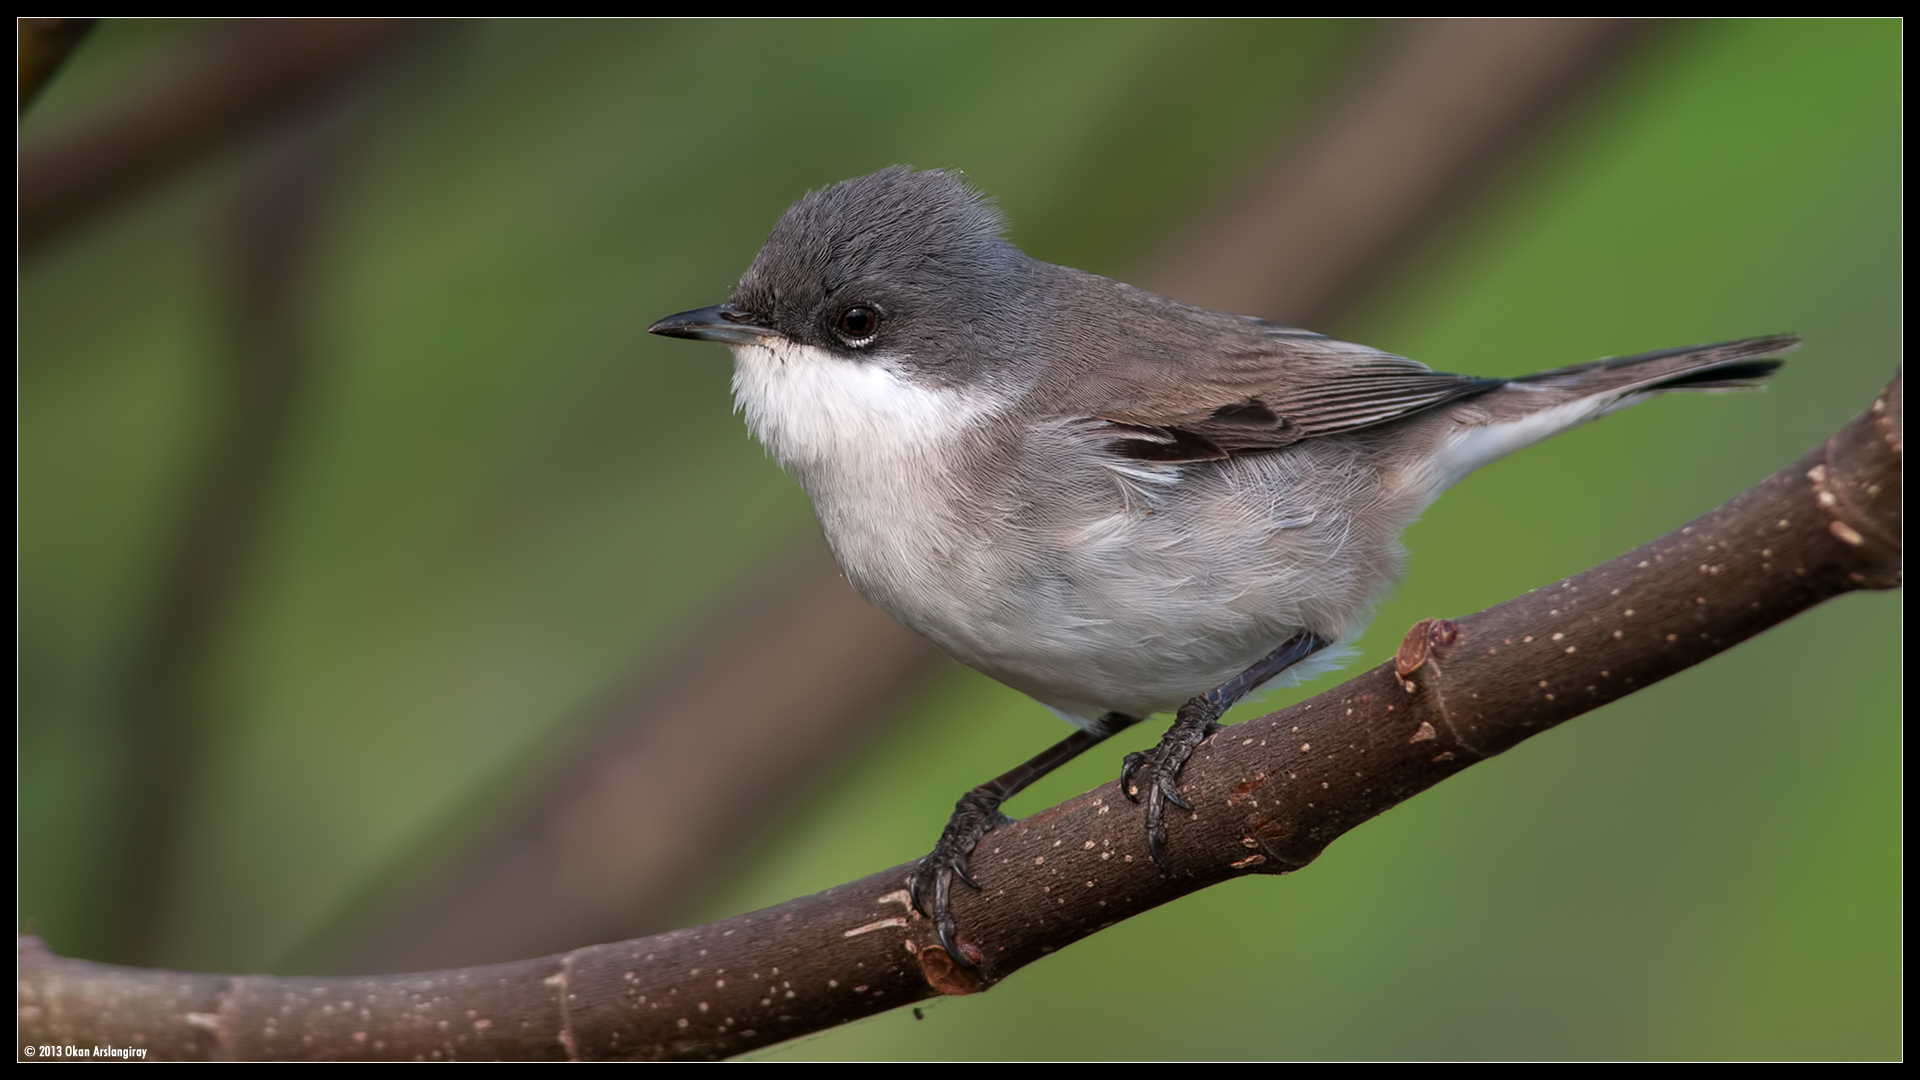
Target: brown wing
(1285,386)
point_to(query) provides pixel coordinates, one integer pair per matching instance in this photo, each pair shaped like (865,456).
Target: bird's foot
(1196,720)
(930,884)
(1156,773)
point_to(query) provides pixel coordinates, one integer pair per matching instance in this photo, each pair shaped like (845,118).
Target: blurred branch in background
(45,44)
(287,79)
(643,816)
(273,234)
(1269,796)
(236,78)
(627,832)
(1428,122)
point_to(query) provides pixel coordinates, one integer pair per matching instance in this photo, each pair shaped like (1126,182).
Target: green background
(502,497)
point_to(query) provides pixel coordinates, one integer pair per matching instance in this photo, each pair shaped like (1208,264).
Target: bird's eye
(858,324)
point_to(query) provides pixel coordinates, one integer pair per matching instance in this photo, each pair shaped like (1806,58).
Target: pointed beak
(721,322)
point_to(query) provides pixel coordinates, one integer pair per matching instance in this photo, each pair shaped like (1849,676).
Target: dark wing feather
(1290,386)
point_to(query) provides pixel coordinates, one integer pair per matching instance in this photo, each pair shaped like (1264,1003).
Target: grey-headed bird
(1116,503)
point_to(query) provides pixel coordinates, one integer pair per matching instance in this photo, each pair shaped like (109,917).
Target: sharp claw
(917,888)
(1129,766)
(930,886)
(1157,832)
(1162,766)
(943,926)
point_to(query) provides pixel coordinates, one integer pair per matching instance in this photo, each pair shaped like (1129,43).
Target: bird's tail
(1533,407)
(1729,365)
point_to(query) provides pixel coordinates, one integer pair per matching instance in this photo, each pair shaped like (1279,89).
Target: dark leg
(1196,720)
(978,813)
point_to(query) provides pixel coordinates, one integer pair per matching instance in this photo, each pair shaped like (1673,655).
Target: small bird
(1114,502)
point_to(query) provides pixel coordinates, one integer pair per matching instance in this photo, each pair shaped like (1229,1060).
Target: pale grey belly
(1098,596)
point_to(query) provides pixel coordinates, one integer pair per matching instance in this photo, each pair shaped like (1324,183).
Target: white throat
(820,414)
(875,452)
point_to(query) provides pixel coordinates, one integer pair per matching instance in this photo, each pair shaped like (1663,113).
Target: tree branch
(1269,796)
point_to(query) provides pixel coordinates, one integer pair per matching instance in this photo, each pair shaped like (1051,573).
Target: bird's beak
(721,322)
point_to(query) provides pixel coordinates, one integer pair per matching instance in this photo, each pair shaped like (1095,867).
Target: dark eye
(858,324)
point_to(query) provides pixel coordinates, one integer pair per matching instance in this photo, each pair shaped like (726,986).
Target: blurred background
(390,600)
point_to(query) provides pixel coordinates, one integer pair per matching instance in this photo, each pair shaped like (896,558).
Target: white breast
(874,451)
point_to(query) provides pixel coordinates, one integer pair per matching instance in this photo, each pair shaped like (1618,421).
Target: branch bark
(1269,795)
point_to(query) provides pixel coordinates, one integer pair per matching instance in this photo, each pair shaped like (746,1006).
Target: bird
(1114,502)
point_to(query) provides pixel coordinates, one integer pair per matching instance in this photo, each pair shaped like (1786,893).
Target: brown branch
(1442,108)
(1269,796)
